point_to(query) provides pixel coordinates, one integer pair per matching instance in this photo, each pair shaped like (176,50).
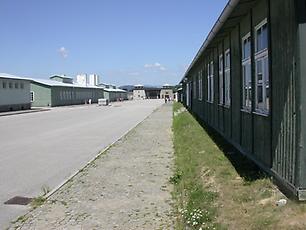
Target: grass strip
(216,187)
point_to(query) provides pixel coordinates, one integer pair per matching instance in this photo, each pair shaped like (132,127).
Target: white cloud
(156,65)
(63,52)
(162,68)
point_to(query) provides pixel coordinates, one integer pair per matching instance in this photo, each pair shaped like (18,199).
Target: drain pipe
(230,6)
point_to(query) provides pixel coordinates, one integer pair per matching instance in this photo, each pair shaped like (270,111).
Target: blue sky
(125,42)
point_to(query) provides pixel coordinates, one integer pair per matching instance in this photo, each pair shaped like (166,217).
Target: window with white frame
(32,96)
(200,85)
(188,94)
(227,77)
(221,83)
(262,92)
(210,82)
(246,73)
(194,89)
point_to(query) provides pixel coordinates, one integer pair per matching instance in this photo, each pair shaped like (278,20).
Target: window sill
(245,110)
(261,52)
(227,106)
(224,106)
(261,113)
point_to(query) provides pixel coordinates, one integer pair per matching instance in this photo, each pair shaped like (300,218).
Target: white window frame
(210,82)
(227,78)
(200,86)
(246,87)
(263,57)
(194,87)
(221,80)
(188,94)
(32,96)
(257,27)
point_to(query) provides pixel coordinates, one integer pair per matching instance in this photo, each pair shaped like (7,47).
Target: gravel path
(125,188)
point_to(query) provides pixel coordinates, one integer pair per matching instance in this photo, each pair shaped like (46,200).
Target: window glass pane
(264,37)
(249,47)
(267,86)
(221,88)
(266,69)
(208,88)
(227,60)
(259,70)
(248,74)
(32,96)
(247,85)
(245,49)
(244,52)
(227,88)
(220,63)
(249,102)
(211,69)
(259,95)
(258,40)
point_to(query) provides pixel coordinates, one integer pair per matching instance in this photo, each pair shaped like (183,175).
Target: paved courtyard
(43,149)
(127,187)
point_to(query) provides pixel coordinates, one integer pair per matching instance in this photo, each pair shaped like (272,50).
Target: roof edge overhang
(228,9)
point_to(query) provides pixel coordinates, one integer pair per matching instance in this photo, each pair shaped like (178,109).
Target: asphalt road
(43,149)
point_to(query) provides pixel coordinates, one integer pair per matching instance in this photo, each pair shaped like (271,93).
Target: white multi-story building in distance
(88,80)
(93,79)
(81,79)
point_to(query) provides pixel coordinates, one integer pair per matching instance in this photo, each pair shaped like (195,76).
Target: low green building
(112,93)
(115,94)
(52,93)
(14,93)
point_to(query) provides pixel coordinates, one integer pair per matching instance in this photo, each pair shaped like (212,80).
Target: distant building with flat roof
(88,80)
(48,92)
(93,79)
(150,92)
(14,93)
(62,78)
(81,79)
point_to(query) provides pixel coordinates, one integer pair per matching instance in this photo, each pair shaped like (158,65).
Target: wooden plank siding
(283,35)
(301,98)
(275,140)
(261,123)
(236,85)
